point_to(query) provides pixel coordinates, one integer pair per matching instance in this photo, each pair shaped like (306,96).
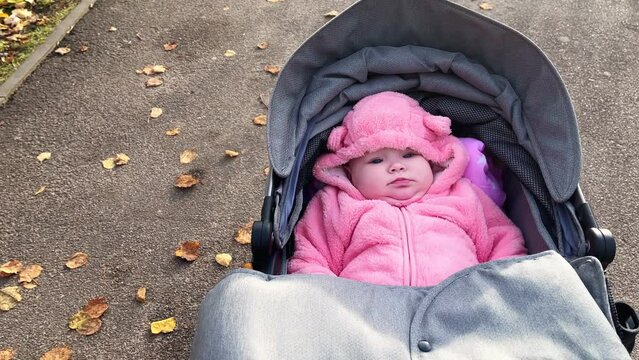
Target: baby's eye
(375,161)
(409,155)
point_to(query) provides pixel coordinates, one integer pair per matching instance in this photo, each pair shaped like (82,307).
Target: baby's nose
(398,166)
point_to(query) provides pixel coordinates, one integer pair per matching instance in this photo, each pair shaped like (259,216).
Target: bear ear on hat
(336,138)
(439,125)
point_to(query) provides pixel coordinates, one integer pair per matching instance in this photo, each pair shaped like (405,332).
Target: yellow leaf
(186,181)
(77,260)
(29,273)
(486,6)
(44,156)
(11,267)
(140,295)
(247,265)
(231,153)
(170,46)
(30,285)
(112,29)
(273,69)
(262,45)
(155,113)
(83,48)
(108,163)
(266,170)
(172,132)
(188,250)
(260,120)
(59,353)
(121,159)
(163,326)
(9,297)
(84,323)
(224,259)
(243,235)
(331,13)
(62,50)
(230,53)
(40,190)
(154,82)
(8,353)
(188,156)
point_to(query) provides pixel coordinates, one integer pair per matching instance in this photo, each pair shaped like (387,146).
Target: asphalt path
(85,107)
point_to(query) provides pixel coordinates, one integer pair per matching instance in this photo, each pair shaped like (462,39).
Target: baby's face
(391,174)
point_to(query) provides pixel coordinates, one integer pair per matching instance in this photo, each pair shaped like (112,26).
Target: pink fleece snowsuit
(418,242)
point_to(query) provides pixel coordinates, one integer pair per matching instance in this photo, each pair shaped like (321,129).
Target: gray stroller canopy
(433,46)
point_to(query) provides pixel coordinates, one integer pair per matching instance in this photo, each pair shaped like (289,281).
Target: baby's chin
(403,196)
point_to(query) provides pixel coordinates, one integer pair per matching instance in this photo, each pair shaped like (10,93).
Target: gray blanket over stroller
(530,307)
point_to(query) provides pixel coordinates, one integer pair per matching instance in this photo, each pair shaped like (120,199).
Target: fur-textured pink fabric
(418,242)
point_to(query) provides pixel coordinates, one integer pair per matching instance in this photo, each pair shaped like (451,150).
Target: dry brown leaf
(331,13)
(272,69)
(108,163)
(40,190)
(59,353)
(84,324)
(188,250)
(30,285)
(154,82)
(155,112)
(260,120)
(186,181)
(152,70)
(7,354)
(11,267)
(112,29)
(140,295)
(247,265)
(231,153)
(230,53)
(62,50)
(96,307)
(9,297)
(224,259)
(29,273)
(243,234)
(172,132)
(44,156)
(78,259)
(163,326)
(262,45)
(486,6)
(170,46)
(121,159)
(188,156)
(84,48)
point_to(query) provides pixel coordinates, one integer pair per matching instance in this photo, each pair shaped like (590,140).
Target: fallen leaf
(163,326)
(230,53)
(486,6)
(140,295)
(84,324)
(83,48)
(262,45)
(155,69)
(266,170)
(21,13)
(8,353)
(188,156)
(172,132)
(112,29)
(224,259)
(155,113)
(260,120)
(62,50)
(77,260)
(170,46)
(44,156)
(108,163)
(30,285)
(11,267)
(9,297)
(226,8)
(96,307)
(59,353)
(186,181)
(231,153)
(40,190)
(121,159)
(331,13)
(154,82)
(273,69)
(29,273)
(243,234)
(247,265)
(188,250)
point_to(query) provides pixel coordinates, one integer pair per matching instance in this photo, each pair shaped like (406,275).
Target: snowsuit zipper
(407,232)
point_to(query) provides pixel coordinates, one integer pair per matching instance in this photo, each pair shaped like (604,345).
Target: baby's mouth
(401,181)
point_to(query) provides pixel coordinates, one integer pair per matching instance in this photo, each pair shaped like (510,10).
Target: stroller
(496,86)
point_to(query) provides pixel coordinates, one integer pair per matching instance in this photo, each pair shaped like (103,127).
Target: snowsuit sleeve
(318,245)
(504,238)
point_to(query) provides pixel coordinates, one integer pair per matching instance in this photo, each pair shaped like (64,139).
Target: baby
(396,209)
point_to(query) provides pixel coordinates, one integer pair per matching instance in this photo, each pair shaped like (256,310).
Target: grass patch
(55,13)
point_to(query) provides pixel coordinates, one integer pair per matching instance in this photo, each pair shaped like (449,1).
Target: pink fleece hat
(391,120)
